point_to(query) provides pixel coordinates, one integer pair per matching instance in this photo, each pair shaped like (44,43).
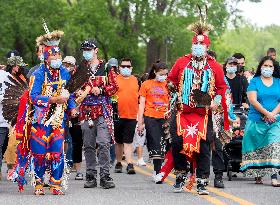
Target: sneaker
(158,178)
(79,176)
(39,190)
(179,183)
(118,167)
(107,182)
(201,190)
(90,181)
(56,191)
(130,169)
(141,162)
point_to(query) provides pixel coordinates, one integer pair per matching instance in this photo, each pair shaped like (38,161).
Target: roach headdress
(50,38)
(201,28)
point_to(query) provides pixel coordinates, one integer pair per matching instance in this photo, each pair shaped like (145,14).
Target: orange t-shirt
(157,98)
(127,96)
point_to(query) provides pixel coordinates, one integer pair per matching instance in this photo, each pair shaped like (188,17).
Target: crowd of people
(184,115)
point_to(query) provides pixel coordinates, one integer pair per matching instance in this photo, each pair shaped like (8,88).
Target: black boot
(218,181)
(201,190)
(91,180)
(106,182)
(180,182)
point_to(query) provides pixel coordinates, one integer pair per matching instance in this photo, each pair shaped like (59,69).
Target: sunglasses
(127,66)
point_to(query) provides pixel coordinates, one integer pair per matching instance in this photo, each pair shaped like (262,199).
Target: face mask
(41,58)
(231,69)
(88,55)
(56,63)
(198,50)
(125,72)
(266,72)
(161,78)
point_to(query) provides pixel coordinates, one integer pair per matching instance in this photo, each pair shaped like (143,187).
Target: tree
(144,30)
(249,40)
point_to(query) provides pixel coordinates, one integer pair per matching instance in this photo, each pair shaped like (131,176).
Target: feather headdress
(201,27)
(50,38)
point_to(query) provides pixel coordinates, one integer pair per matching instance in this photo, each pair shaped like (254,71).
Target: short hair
(271,50)
(238,56)
(212,54)
(126,59)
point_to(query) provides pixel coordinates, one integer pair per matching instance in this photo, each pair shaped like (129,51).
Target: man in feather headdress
(201,88)
(40,120)
(47,95)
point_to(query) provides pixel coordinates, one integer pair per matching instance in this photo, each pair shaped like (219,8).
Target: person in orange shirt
(127,97)
(153,105)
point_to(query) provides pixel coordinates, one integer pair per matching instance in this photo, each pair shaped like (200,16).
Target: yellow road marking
(216,191)
(209,198)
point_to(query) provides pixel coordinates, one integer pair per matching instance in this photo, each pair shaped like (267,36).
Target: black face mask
(240,69)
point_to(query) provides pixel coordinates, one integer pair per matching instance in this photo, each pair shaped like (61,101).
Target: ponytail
(157,66)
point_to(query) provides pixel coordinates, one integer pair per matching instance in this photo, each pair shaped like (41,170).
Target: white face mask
(198,50)
(231,69)
(88,55)
(161,78)
(266,72)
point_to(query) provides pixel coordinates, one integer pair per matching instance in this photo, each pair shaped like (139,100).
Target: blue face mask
(88,55)
(266,72)
(126,72)
(231,69)
(56,63)
(161,78)
(198,50)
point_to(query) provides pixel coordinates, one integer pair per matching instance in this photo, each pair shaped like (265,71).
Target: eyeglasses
(125,66)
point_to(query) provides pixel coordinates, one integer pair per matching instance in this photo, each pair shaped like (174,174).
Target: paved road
(139,189)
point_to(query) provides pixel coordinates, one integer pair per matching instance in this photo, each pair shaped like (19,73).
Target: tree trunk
(153,52)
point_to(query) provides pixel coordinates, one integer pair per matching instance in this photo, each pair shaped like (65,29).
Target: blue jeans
(3,135)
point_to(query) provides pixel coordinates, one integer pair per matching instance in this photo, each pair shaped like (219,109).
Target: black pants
(203,158)
(218,157)
(77,143)
(155,137)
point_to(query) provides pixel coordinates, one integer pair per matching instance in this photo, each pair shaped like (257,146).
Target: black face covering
(240,69)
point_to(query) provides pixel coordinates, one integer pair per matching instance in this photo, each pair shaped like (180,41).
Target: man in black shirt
(238,83)
(272,53)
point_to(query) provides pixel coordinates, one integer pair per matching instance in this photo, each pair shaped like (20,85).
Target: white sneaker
(141,162)
(158,177)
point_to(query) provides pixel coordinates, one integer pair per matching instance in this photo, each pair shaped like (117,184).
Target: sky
(262,14)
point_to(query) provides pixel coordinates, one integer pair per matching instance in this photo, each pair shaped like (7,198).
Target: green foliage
(138,29)
(249,40)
